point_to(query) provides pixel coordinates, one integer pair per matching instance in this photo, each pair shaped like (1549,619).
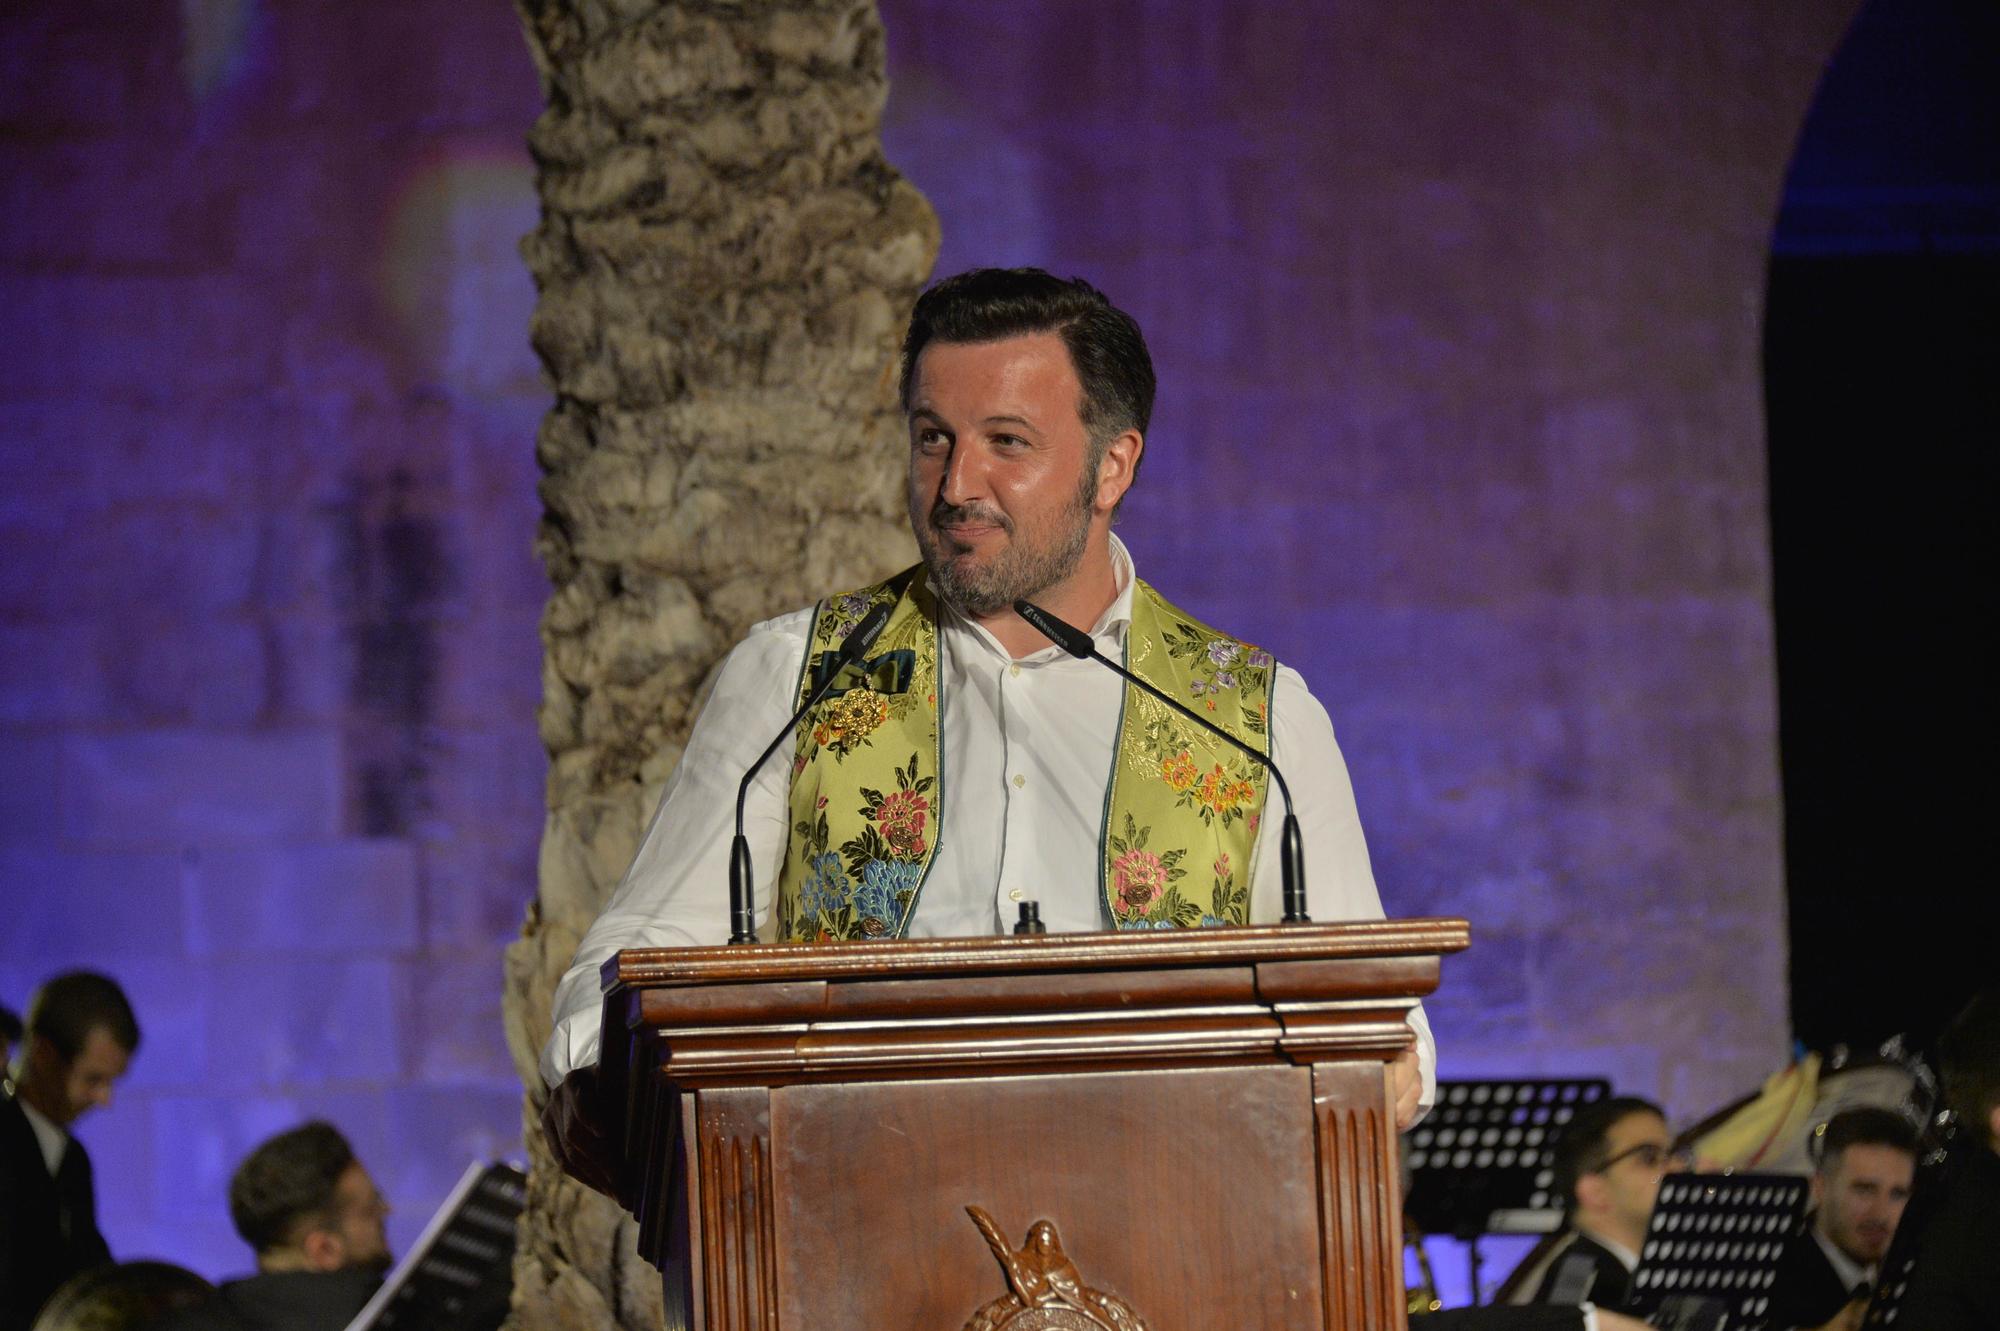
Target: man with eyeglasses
(1608,1165)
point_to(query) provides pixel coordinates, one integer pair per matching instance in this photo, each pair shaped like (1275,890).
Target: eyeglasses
(1650,1155)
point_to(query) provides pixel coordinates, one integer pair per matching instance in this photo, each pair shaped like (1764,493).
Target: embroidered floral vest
(1181,808)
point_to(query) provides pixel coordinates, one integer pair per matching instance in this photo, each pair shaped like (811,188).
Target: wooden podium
(1200,1115)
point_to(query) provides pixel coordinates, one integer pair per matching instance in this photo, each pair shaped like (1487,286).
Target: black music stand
(459,1274)
(1712,1247)
(1480,1161)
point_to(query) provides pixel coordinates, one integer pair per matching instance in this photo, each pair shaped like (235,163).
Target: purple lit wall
(267,601)
(1456,312)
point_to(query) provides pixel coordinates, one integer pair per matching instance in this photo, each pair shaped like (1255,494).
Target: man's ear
(1116,469)
(1592,1194)
(324,1250)
(1993,1127)
(1817,1189)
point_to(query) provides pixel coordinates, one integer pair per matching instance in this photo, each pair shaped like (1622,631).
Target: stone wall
(267,587)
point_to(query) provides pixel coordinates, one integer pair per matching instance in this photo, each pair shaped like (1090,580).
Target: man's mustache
(945,516)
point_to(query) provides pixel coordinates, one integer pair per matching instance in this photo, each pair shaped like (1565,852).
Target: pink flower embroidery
(1138,879)
(901,816)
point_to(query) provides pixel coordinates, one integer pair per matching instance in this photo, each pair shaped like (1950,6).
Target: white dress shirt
(1028,746)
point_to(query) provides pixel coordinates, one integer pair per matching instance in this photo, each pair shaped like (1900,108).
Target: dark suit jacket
(284,1301)
(1806,1291)
(1585,1270)
(1956,1284)
(48,1226)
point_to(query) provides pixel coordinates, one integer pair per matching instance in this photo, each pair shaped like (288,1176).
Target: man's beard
(1022,570)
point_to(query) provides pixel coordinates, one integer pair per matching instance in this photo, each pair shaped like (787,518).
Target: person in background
(1608,1167)
(124,1296)
(79,1039)
(1956,1283)
(1867,1158)
(313,1216)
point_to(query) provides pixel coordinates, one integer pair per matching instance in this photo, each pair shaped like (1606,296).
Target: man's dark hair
(1969,1058)
(1105,345)
(286,1185)
(1866,1126)
(68,1008)
(1585,1144)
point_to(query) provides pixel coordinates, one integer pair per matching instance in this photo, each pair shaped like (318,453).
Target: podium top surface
(1108,950)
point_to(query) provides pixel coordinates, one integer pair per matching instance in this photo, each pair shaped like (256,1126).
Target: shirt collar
(49,1135)
(1108,632)
(1626,1257)
(1851,1272)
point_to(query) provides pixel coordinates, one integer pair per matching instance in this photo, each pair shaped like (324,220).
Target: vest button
(1015,894)
(1019,780)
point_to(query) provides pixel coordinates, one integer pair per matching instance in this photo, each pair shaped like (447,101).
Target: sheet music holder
(1479,1162)
(459,1273)
(1712,1247)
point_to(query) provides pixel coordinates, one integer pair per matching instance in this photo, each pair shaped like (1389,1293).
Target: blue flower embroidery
(826,885)
(882,881)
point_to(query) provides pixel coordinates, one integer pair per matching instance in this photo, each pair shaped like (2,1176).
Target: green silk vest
(1181,808)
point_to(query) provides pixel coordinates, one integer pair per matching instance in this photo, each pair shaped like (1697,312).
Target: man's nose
(964,477)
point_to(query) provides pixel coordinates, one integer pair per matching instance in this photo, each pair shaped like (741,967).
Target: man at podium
(967,765)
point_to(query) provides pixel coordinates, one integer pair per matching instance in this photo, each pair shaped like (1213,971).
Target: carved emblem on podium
(1046,1292)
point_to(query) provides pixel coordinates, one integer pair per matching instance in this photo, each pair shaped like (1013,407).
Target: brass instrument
(1423,1297)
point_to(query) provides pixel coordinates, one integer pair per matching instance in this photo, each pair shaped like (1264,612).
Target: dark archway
(1882,355)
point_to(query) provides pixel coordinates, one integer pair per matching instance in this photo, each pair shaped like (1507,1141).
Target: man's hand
(1406,1088)
(573,1122)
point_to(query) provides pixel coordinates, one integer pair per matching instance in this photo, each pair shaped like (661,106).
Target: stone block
(436,1129)
(50,672)
(183,559)
(125,334)
(67,200)
(27,786)
(477,886)
(301,1022)
(65,71)
(198,1140)
(311,659)
(489,778)
(98,904)
(357,895)
(184,786)
(452,1029)
(208,672)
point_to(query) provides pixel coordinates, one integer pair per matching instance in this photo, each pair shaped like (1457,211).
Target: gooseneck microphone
(742,915)
(1292,852)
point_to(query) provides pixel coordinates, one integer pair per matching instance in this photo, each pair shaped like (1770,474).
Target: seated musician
(1956,1283)
(312,1215)
(1866,1160)
(1608,1165)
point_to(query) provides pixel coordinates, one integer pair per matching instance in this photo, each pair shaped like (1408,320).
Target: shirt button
(1015,894)
(1019,780)
(1014,669)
